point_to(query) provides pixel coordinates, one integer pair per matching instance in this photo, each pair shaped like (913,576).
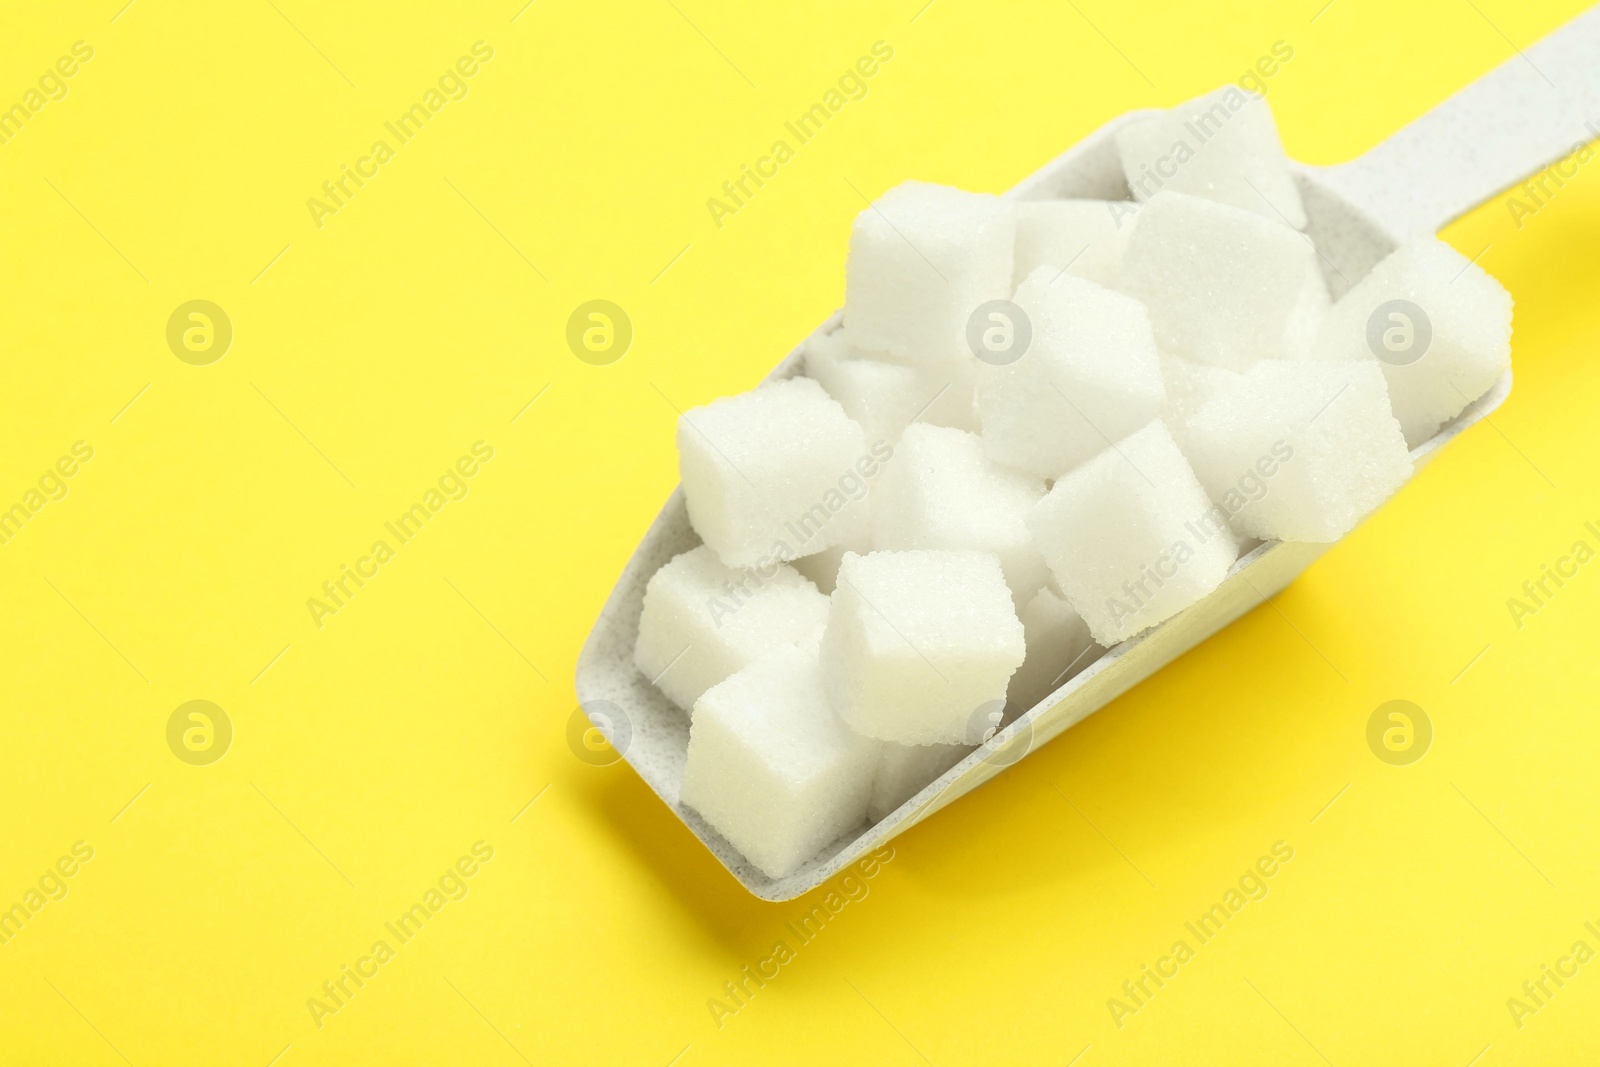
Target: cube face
(1131,537)
(1189,386)
(884,396)
(904,769)
(1310,311)
(951,389)
(1089,377)
(703,621)
(922,259)
(1222,146)
(1086,238)
(1300,451)
(1223,286)
(917,642)
(772,768)
(1468,332)
(1059,646)
(775,473)
(941,491)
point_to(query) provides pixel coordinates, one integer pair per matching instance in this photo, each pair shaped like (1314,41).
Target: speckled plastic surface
(1419,179)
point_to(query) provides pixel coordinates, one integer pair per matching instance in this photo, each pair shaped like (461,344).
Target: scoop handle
(1534,109)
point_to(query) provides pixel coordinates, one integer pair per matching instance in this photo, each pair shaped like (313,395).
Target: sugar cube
(1223,146)
(917,641)
(941,491)
(1438,354)
(1082,237)
(770,765)
(904,769)
(1299,451)
(703,621)
(885,395)
(922,259)
(776,473)
(1130,536)
(1089,376)
(1224,286)
(1059,646)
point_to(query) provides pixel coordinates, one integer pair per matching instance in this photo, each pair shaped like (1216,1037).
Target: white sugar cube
(904,769)
(1089,376)
(1299,451)
(917,642)
(1082,237)
(1436,362)
(885,395)
(922,259)
(1131,536)
(1059,646)
(1223,286)
(774,474)
(941,491)
(703,621)
(772,768)
(1223,146)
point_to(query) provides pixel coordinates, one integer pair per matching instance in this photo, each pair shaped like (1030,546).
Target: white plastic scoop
(1530,112)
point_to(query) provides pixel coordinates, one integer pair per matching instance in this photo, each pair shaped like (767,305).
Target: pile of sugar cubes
(1043,428)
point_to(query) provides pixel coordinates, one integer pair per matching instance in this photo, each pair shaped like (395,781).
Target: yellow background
(370,753)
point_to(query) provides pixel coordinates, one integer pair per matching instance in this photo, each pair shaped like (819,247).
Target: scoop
(1533,110)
